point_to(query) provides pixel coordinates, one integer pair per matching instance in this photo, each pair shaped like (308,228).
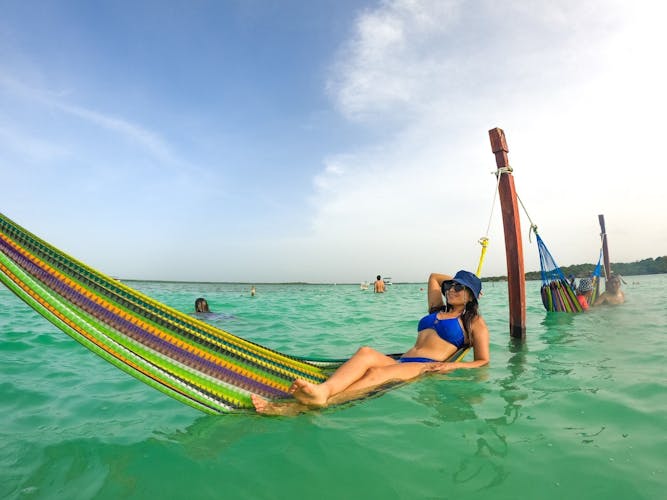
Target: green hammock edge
(161,367)
(296,367)
(62,308)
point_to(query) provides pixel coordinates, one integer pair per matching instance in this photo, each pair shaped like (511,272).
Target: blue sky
(329,141)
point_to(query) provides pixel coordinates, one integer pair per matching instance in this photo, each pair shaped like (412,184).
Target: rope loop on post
(533,229)
(503,170)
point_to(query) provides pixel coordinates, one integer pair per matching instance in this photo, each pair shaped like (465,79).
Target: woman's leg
(350,372)
(372,378)
(376,377)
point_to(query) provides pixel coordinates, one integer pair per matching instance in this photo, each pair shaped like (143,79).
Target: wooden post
(516,279)
(605,250)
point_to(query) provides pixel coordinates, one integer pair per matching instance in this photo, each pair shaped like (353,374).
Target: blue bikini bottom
(416,360)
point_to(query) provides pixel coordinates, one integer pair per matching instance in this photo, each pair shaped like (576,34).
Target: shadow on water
(485,465)
(208,436)
(511,391)
(487,462)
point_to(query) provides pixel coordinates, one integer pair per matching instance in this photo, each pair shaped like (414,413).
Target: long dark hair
(470,312)
(201,305)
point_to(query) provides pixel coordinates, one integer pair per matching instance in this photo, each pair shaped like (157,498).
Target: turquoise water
(577,411)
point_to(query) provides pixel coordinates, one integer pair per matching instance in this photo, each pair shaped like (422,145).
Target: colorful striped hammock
(557,293)
(200,365)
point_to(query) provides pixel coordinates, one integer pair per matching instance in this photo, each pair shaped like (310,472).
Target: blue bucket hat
(470,280)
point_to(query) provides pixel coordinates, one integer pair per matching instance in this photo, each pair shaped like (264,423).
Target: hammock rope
(595,278)
(484,240)
(556,292)
(194,362)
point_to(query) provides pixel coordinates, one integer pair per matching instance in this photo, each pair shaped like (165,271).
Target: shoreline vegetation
(638,268)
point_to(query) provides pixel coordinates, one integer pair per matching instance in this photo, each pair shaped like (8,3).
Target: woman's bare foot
(308,393)
(266,407)
(261,405)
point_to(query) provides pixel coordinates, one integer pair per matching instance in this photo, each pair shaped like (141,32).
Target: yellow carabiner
(484,241)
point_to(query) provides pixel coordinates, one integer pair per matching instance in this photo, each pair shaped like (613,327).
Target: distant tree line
(646,266)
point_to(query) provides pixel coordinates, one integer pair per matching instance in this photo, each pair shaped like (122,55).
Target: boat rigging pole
(605,250)
(516,279)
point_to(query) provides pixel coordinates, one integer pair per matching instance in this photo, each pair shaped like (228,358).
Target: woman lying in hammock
(450,325)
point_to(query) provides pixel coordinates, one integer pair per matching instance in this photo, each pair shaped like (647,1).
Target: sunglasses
(452,285)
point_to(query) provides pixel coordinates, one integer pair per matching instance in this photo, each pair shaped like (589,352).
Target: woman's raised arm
(435,301)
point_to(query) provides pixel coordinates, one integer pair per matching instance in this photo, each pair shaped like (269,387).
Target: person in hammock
(585,293)
(450,325)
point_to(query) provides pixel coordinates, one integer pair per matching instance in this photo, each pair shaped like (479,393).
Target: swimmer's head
(201,305)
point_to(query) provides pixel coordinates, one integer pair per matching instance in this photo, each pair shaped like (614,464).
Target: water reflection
(486,464)
(512,392)
(558,327)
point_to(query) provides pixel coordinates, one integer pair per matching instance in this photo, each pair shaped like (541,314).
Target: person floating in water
(201,306)
(379,284)
(451,324)
(613,293)
(585,292)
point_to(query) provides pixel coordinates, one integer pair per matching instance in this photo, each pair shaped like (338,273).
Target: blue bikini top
(448,329)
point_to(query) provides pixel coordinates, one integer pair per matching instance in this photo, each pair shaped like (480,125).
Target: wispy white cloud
(51,100)
(58,151)
(26,146)
(554,75)
(149,140)
(387,63)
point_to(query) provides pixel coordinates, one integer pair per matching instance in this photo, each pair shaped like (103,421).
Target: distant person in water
(452,323)
(252,291)
(613,293)
(201,306)
(379,284)
(585,293)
